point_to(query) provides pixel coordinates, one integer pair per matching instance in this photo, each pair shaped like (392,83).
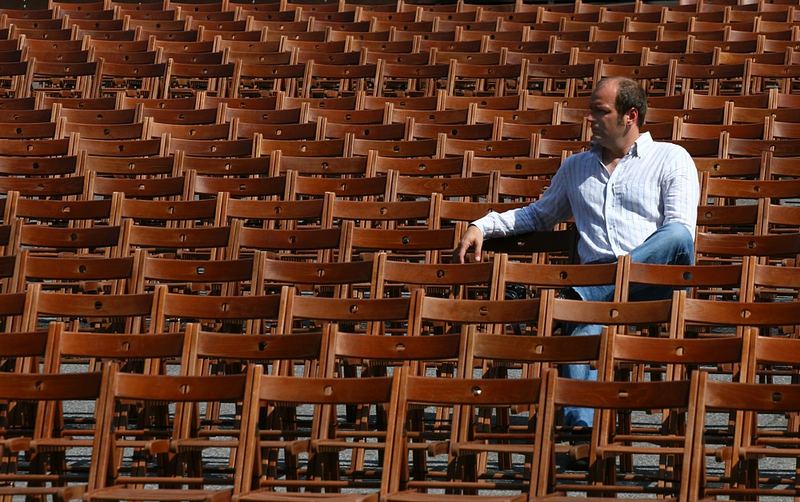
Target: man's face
(606,123)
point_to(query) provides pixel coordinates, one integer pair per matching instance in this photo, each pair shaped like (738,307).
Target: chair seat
(265,496)
(425,497)
(123,493)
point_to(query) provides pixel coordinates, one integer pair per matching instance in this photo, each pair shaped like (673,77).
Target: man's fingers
(478,246)
(461,250)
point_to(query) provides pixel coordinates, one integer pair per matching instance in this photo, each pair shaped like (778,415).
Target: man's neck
(614,153)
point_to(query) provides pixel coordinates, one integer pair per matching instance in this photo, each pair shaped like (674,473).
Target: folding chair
(321,441)
(185,473)
(463,434)
(660,403)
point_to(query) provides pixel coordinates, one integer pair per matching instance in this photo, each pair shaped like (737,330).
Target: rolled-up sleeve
(543,214)
(681,191)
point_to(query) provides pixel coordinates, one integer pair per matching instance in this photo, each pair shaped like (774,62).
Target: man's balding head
(629,94)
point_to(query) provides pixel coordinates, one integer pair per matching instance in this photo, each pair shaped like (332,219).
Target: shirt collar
(639,148)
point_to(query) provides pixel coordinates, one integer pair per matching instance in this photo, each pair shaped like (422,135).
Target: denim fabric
(671,244)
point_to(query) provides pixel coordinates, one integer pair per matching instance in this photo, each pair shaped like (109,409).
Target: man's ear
(632,116)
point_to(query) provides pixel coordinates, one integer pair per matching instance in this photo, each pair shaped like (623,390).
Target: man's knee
(671,244)
(681,240)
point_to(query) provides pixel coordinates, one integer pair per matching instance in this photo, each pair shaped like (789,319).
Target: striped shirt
(653,184)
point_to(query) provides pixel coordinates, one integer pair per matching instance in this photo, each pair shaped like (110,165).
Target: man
(628,195)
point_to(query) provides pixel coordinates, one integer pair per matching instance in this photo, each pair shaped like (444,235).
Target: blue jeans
(672,244)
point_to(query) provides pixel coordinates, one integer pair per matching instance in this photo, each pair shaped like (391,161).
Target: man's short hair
(629,95)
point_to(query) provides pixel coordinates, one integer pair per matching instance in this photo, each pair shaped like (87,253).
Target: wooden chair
(519,167)
(533,279)
(718,282)
(756,76)
(709,79)
(473,188)
(332,314)
(77,79)
(211,78)
(112,313)
(74,275)
(211,148)
(350,78)
(410,245)
(759,402)
(136,353)
(168,213)
(710,247)
(52,469)
(258,79)
(166,188)
(104,240)
(465,434)
(28,148)
(322,244)
(490,148)
(199,241)
(121,148)
(184,117)
(197,132)
(337,280)
(323,440)
(714,319)
(742,147)
(145,79)
(393,214)
(665,400)
(225,313)
(561,80)
(190,276)
(483,75)
(263,188)
(400,148)
(114,473)
(380,165)
(16,78)
(404,80)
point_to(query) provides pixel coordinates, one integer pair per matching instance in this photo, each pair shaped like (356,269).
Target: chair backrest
(73,274)
(127,350)
(115,312)
(226,313)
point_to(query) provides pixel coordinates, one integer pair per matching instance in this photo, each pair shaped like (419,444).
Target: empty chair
(465,435)
(118,475)
(666,401)
(228,314)
(55,470)
(325,443)
(741,470)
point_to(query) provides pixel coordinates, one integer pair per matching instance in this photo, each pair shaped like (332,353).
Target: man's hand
(472,238)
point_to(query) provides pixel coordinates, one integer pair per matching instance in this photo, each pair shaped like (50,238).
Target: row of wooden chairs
(336,124)
(432,226)
(711,141)
(311,17)
(392,6)
(313,448)
(414,13)
(237,290)
(314,79)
